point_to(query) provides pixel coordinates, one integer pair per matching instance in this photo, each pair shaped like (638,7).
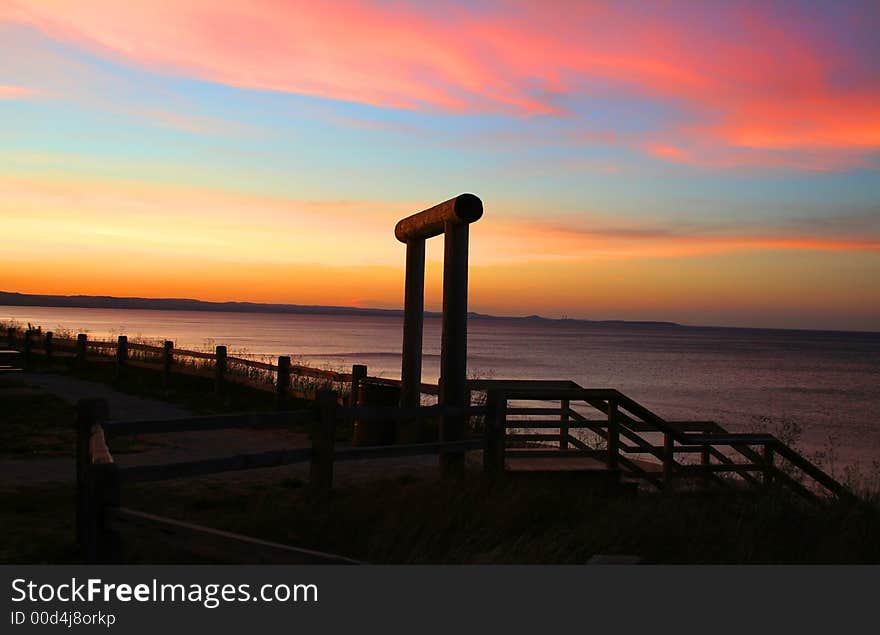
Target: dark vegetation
(406,520)
(34,424)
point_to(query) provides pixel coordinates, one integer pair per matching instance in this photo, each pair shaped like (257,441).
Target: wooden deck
(569,464)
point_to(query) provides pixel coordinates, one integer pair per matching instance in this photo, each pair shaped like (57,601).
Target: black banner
(231,599)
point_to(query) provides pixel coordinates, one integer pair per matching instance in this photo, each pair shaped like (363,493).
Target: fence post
(613,438)
(105,546)
(121,355)
(167,359)
(323,441)
(89,412)
(219,370)
(282,382)
(10,337)
(668,460)
(81,346)
(48,346)
(769,469)
(496,430)
(564,404)
(26,348)
(358,372)
(706,461)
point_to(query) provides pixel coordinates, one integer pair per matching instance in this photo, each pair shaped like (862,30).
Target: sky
(700,162)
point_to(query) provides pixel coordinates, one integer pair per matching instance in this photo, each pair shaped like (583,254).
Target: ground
(388,511)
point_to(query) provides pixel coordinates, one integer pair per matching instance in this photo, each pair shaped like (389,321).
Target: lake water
(827,383)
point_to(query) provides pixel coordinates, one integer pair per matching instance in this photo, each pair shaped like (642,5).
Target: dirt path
(122,407)
(186,446)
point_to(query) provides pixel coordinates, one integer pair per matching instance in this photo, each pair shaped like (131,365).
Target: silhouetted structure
(450,218)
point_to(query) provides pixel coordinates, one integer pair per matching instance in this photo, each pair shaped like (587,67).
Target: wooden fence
(626,429)
(278,378)
(102,523)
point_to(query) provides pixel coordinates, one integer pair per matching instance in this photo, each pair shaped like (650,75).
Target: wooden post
(451,218)
(613,438)
(323,441)
(769,468)
(121,355)
(104,545)
(48,346)
(496,431)
(413,324)
(219,370)
(89,413)
(453,343)
(706,461)
(167,360)
(358,373)
(282,382)
(668,460)
(564,406)
(26,348)
(10,337)
(81,347)
(413,327)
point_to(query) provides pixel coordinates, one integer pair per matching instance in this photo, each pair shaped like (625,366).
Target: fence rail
(283,379)
(214,544)
(101,522)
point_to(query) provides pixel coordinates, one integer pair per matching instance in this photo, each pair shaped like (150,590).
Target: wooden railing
(101,522)
(627,430)
(222,368)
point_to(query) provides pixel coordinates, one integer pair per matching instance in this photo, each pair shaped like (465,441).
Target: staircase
(637,444)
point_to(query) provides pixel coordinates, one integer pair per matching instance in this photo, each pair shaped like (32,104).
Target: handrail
(632,418)
(209,422)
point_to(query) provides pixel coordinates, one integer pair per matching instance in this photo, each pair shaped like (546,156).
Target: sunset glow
(690,161)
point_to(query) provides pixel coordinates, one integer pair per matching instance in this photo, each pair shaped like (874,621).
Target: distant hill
(184,304)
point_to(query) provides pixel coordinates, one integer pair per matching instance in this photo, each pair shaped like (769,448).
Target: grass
(410,521)
(34,424)
(37,525)
(406,520)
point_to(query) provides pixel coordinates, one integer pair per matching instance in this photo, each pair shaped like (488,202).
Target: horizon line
(323,309)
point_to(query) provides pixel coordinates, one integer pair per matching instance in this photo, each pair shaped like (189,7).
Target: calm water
(827,383)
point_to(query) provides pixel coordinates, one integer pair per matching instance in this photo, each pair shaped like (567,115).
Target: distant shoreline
(8,298)
(185,304)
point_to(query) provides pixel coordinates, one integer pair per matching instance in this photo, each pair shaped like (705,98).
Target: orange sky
(704,166)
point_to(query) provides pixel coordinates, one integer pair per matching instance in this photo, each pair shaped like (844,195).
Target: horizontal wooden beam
(394,413)
(728,439)
(719,467)
(463,209)
(554,454)
(535,411)
(657,450)
(512,437)
(214,544)
(210,422)
(185,469)
(180,352)
(554,423)
(388,451)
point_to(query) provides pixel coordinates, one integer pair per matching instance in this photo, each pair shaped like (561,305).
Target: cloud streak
(757,86)
(15,92)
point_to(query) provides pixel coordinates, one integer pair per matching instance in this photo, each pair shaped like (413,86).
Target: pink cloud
(15,92)
(758,90)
